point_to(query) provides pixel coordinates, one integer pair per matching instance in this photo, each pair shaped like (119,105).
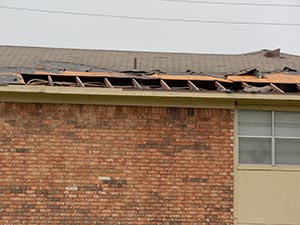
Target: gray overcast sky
(70,31)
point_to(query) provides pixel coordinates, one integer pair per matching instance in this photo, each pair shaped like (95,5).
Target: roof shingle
(19,58)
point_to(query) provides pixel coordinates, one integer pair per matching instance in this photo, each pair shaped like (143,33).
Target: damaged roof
(20,59)
(265,71)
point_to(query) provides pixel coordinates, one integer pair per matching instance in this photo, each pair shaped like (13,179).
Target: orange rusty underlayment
(266,83)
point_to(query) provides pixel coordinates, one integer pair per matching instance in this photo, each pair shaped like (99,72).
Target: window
(269,137)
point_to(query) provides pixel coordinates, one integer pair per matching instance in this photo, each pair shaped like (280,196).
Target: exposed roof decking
(271,83)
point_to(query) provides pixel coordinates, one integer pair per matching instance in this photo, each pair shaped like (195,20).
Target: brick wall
(84,164)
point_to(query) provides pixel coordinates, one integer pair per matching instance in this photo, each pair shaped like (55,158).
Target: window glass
(255,150)
(287,151)
(258,144)
(287,124)
(255,123)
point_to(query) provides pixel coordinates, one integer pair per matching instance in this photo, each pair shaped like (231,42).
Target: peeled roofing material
(19,59)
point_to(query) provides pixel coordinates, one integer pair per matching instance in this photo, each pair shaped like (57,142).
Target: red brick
(163,165)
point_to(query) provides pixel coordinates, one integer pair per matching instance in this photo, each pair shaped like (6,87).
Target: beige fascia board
(146,93)
(109,96)
(115,96)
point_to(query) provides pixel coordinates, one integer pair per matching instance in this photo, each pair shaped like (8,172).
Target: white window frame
(272,138)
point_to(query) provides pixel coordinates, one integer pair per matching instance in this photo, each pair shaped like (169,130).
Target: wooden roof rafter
(50,81)
(220,87)
(244,85)
(79,82)
(176,83)
(136,84)
(276,89)
(192,86)
(165,85)
(107,83)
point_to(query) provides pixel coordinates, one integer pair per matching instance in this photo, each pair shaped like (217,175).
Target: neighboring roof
(14,58)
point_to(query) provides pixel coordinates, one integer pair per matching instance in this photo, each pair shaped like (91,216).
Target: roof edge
(137,93)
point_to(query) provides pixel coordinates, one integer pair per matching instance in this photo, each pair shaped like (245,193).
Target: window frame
(273,138)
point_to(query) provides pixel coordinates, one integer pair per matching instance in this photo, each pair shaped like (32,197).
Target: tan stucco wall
(266,195)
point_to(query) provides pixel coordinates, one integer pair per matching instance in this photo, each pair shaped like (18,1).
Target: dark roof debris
(134,72)
(251,71)
(288,69)
(253,89)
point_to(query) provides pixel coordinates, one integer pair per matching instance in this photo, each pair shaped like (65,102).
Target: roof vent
(135,64)
(273,53)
